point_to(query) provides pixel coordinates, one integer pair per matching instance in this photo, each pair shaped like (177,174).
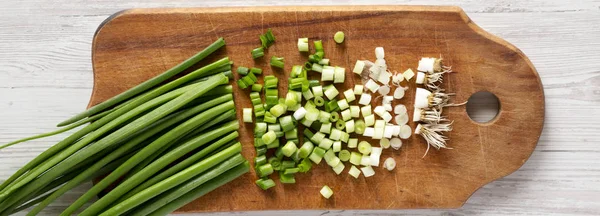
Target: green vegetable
(338,37)
(277,62)
(265,184)
(257,52)
(148,83)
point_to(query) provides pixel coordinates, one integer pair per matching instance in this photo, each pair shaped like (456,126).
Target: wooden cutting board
(134,45)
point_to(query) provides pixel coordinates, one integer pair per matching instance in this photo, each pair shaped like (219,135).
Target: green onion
(352,143)
(269,118)
(261,150)
(303,44)
(264,170)
(269,137)
(343,104)
(339,75)
(274,144)
(319,101)
(354,172)
(327,74)
(247,115)
(350,126)
(257,52)
(326,192)
(337,146)
(317,91)
(317,155)
(317,137)
(305,149)
(271,81)
(331,92)
(307,94)
(346,115)
(278,110)
(334,117)
(324,116)
(195,193)
(289,148)
(275,163)
(256,70)
(318,45)
(277,62)
(242,70)
(316,68)
(291,99)
(256,87)
(326,143)
(175,182)
(291,134)
(344,155)
(108,141)
(260,160)
(291,171)
(267,39)
(338,37)
(286,179)
(339,168)
(161,125)
(359,126)
(287,164)
(324,61)
(364,147)
(332,106)
(308,133)
(305,165)
(265,184)
(340,124)
(355,158)
(148,84)
(287,124)
(354,111)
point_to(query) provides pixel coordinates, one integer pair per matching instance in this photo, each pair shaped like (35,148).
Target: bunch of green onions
(160,146)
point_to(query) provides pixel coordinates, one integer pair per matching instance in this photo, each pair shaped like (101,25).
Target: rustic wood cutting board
(134,45)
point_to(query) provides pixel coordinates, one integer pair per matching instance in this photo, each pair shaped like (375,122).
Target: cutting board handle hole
(483,107)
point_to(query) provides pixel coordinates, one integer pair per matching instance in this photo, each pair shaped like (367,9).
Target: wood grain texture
(46,76)
(137,44)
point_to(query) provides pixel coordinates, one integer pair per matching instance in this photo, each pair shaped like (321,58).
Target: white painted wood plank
(45,76)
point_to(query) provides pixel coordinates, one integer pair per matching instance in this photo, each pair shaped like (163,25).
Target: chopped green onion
(307,94)
(287,123)
(291,134)
(308,133)
(305,165)
(242,84)
(277,62)
(274,127)
(271,82)
(287,164)
(379,129)
(354,172)
(325,128)
(260,160)
(289,148)
(340,124)
(318,46)
(269,137)
(344,155)
(278,110)
(257,87)
(260,127)
(316,68)
(317,155)
(345,137)
(368,171)
(242,70)
(290,99)
(267,39)
(331,92)
(327,74)
(274,144)
(324,61)
(370,120)
(355,158)
(364,147)
(365,160)
(343,104)
(291,171)
(319,101)
(324,116)
(358,89)
(317,137)
(338,37)
(306,122)
(339,75)
(261,150)
(312,114)
(264,170)
(265,184)
(326,192)
(346,115)
(325,143)
(352,143)
(337,146)
(365,99)
(247,115)
(354,111)
(334,117)
(303,44)
(359,126)
(305,149)
(336,134)
(255,70)
(339,168)
(258,52)
(331,106)
(269,118)
(350,126)
(317,91)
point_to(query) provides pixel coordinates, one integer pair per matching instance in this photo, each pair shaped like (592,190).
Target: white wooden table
(46,76)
